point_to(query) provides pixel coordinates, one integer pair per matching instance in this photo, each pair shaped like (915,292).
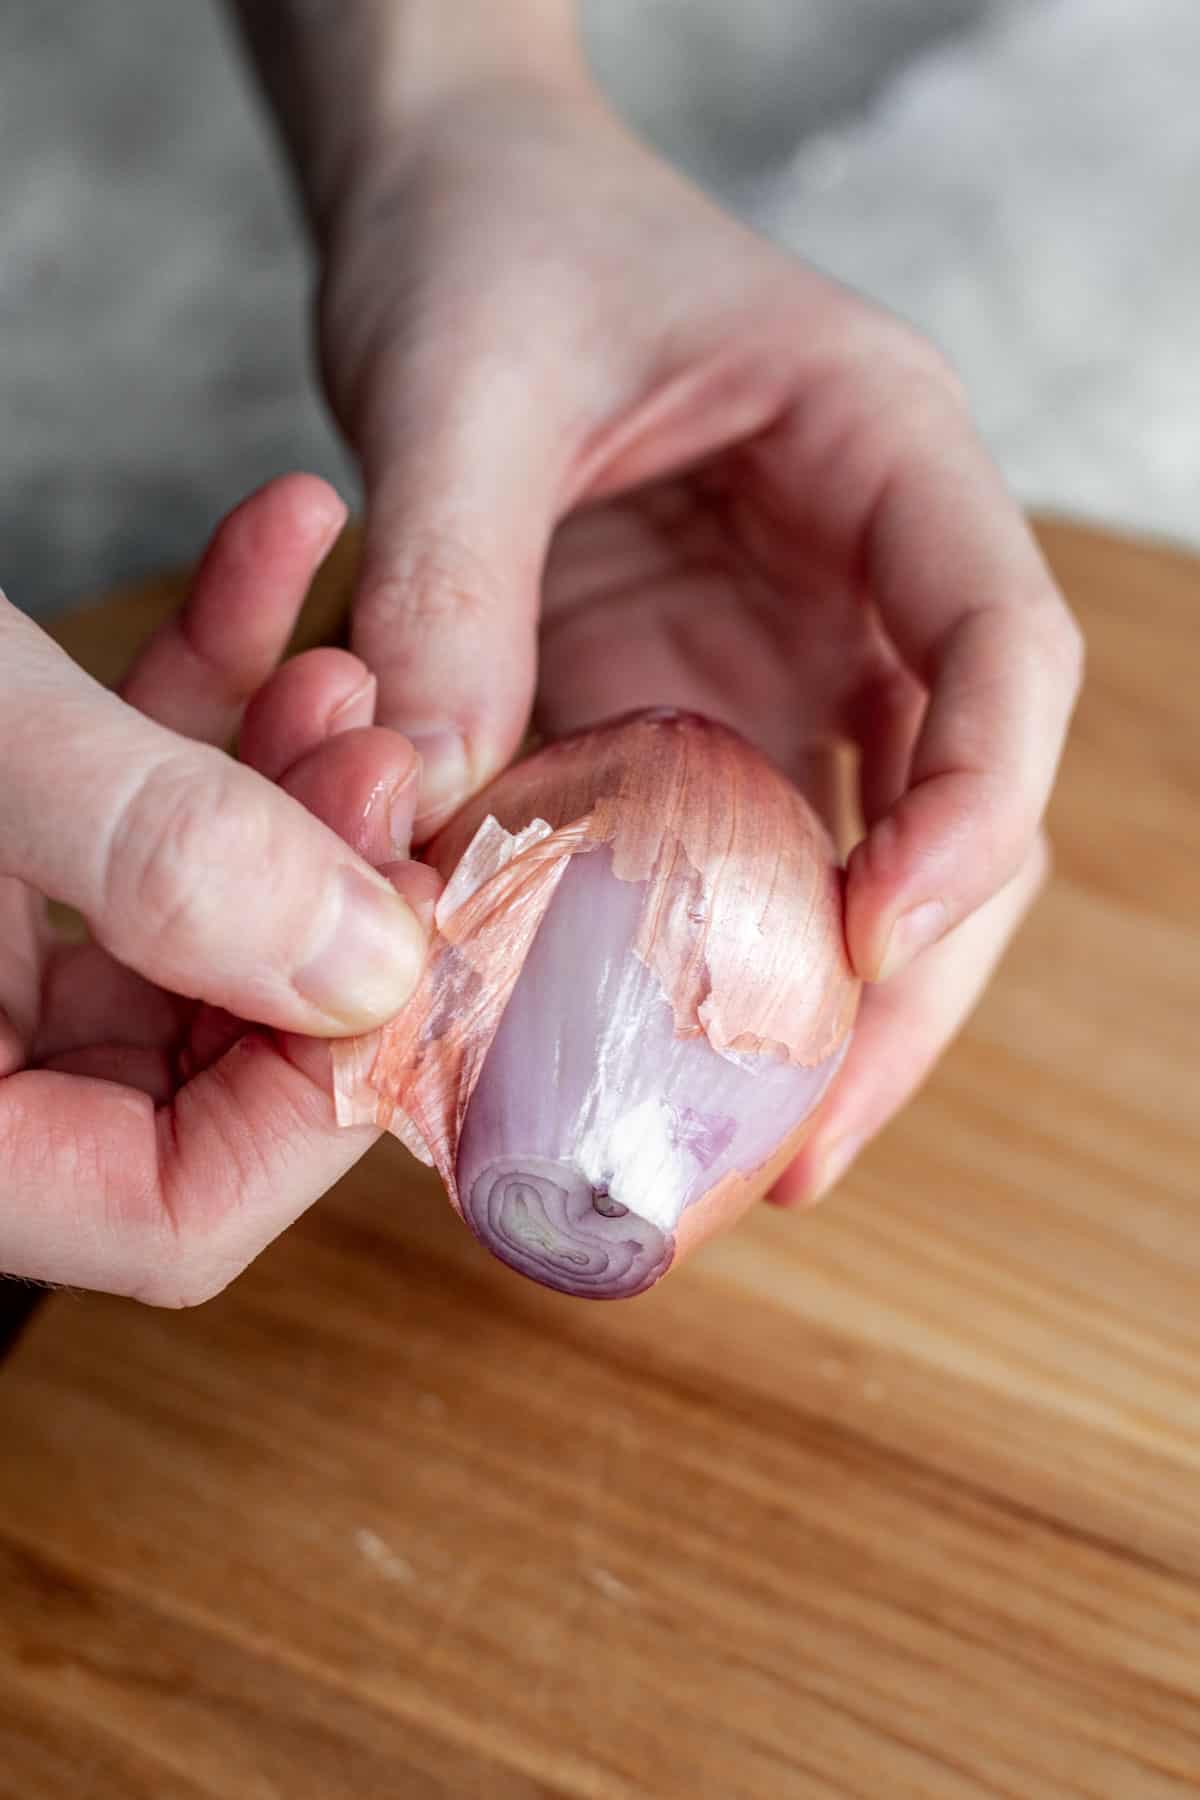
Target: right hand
(151,1141)
(619,452)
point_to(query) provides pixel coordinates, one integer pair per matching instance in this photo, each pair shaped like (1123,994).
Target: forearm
(344,75)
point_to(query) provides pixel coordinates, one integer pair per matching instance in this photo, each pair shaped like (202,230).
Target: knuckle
(1057,639)
(212,1217)
(916,364)
(183,820)
(429,587)
(894,700)
(182,1262)
(1040,865)
(180,1283)
(197,1252)
(934,365)
(1071,647)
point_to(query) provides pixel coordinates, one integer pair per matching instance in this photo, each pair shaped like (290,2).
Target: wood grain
(898,1499)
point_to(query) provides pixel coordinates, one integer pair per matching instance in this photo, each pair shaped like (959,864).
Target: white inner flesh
(587,1069)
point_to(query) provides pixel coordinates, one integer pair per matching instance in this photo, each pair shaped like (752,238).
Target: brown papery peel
(636,994)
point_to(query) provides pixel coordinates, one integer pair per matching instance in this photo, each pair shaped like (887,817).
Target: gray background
(1020,177)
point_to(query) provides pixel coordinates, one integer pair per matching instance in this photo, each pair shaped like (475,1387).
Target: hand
(151,1140)
(597,416)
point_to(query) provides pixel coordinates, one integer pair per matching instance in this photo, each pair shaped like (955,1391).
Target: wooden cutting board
(899,1499)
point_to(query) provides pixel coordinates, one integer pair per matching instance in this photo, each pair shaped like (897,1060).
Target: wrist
(351,94)
(439,60)
(431,50)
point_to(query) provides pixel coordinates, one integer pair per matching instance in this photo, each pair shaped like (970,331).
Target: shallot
(637,994)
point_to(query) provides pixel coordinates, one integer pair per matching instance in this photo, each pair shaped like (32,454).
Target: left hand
(619,451)
(152,1144)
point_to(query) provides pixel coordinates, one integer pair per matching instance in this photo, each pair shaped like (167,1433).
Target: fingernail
(445,773)
(913,932)
(358,708)
(367,958)
(333,531)
(834,1163)
(420,886)
(400,810)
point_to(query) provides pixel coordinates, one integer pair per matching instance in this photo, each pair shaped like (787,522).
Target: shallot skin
(636,996)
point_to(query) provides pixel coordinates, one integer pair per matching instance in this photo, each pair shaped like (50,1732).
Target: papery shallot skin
(636,995)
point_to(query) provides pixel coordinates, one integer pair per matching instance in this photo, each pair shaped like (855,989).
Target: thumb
(458,521)
(189,867)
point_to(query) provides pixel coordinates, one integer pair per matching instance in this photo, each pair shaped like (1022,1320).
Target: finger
(102,1192)
(190,868)
(967,599)
(902,1030)
(312,697)
(150,1072)
(198,671)
(420,885)
(177,1204)
(364,785)
(459,514)
(210,1034)
(884,719)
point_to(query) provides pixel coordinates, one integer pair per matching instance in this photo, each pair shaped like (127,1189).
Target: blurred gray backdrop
(1019,177)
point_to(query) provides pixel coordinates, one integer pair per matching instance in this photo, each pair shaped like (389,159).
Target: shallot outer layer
(636,995)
